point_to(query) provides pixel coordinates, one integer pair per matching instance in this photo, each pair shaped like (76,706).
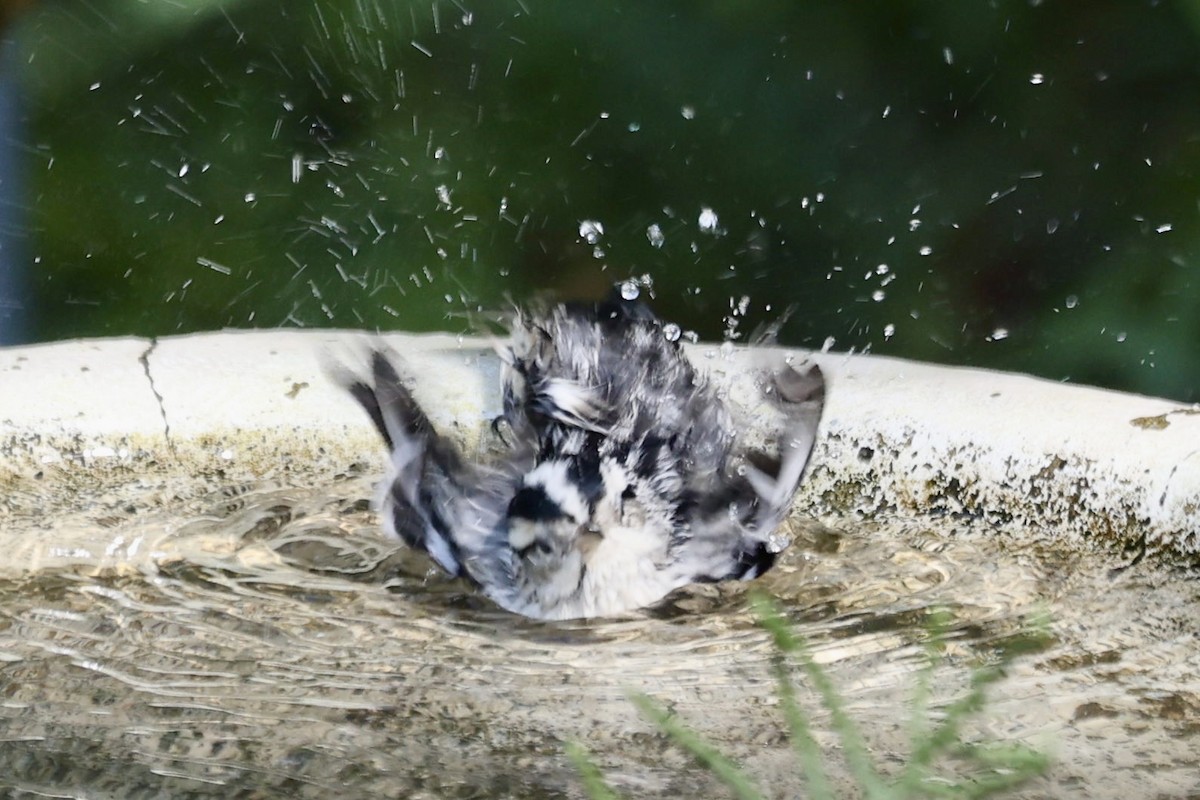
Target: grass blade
(801,734)
(597,788)
(720,766)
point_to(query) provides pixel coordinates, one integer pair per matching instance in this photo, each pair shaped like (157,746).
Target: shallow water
(274,645)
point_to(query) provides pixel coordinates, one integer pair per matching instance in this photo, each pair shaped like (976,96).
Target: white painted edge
(1083,468)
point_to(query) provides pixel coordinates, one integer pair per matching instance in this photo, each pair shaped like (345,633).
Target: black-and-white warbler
(622,478)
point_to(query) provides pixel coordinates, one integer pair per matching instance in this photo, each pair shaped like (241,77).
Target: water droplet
(688,112)
(250,197)
(879,295)
(672,332)
(925,250)
(1166,226)
(1072,300)
(947,55)
(708,220)
(655,234)
(1051,225)
(591,230)
(999,334)
(1037,79)
(889,331)
(882,269)
(443,195)
(634,127)
(630,290)
(1122,336)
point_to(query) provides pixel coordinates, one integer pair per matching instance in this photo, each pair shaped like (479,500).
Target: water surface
(265,641)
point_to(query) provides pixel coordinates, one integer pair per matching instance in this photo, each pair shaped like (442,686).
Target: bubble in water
(630,290)
(708,220)
(777,542)
(655,234)
(672,332)
(591,230)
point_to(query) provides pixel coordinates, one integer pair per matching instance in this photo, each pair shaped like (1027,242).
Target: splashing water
(267,639)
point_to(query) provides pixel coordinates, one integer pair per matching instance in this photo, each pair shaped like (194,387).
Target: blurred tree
(1006,184)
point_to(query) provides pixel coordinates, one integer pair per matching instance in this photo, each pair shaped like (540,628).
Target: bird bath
(195,600)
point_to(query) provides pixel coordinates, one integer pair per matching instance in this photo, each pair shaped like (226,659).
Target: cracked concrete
(1069,467)
(144,358)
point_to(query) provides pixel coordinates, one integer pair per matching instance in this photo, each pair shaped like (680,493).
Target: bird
(622,475)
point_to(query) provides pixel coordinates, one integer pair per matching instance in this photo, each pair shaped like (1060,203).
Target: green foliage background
(1026,173)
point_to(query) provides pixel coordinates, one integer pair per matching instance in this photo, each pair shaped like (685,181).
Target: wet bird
(622,476)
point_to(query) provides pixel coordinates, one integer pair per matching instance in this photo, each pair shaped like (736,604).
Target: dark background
(1002,184)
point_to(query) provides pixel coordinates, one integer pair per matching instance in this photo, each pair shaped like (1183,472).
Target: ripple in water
(268,641)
